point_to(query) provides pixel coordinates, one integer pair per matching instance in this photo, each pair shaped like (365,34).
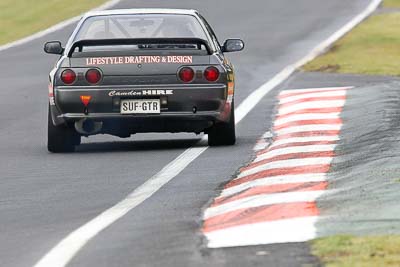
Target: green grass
(371,48)
(349,251)
(19,18)
(392,3)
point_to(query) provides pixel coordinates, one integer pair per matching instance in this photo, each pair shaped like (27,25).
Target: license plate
(140,106)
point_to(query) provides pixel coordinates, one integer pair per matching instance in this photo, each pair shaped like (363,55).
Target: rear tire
(223,134)
(61,139)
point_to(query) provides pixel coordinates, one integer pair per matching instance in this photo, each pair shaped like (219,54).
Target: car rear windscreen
(141,26)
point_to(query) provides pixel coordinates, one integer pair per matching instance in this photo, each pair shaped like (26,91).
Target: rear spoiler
(128,41)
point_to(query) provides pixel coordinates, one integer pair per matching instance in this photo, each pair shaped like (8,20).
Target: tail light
(68,76)
(93,76)
(211,74)
(186,74)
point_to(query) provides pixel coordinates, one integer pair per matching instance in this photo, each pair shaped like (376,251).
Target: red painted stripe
(310,143)
(272,189)
(260,214)
(307,134)
(309,99)
(283,95)
(308,122)
(320,168)
(310,111)
(302,155)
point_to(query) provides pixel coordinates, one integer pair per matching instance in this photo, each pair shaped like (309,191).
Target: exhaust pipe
(88,126)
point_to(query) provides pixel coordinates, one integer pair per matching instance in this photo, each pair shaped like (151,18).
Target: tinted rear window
(141,26)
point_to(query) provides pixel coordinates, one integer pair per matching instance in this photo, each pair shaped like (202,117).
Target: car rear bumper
(189,108)
(209,115)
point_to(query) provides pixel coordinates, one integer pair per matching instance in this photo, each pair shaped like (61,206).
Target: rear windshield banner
(139,60)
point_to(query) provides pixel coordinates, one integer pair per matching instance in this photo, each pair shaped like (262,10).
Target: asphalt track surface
(44,197)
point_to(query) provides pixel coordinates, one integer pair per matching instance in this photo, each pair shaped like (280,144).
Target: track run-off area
(168,199)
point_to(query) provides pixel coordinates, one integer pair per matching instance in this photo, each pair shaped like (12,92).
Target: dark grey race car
(141,70)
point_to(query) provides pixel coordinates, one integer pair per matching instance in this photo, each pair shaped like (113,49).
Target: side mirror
(233,45)
(53,47)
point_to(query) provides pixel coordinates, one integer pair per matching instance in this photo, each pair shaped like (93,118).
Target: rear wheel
(223,134)
(61,138)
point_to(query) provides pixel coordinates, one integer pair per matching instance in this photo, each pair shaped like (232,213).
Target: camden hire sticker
(139,60)
(141,93)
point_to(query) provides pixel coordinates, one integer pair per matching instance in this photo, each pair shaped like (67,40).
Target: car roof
(134,11)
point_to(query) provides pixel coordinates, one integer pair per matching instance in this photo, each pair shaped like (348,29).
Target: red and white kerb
(273,199)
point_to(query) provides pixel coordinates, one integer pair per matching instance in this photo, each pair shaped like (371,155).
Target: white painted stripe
(62,253)
(282,179)
(312,90)
(281,231)
(310,127)
(263,200)
(288,163)
(267,135)
(310,116)
(261,144)
(312,95)
(311,105)
(305,139)
(294,149)
(55,28)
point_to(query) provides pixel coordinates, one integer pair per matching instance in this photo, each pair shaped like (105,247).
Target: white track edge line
(64,251)
(66,254)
